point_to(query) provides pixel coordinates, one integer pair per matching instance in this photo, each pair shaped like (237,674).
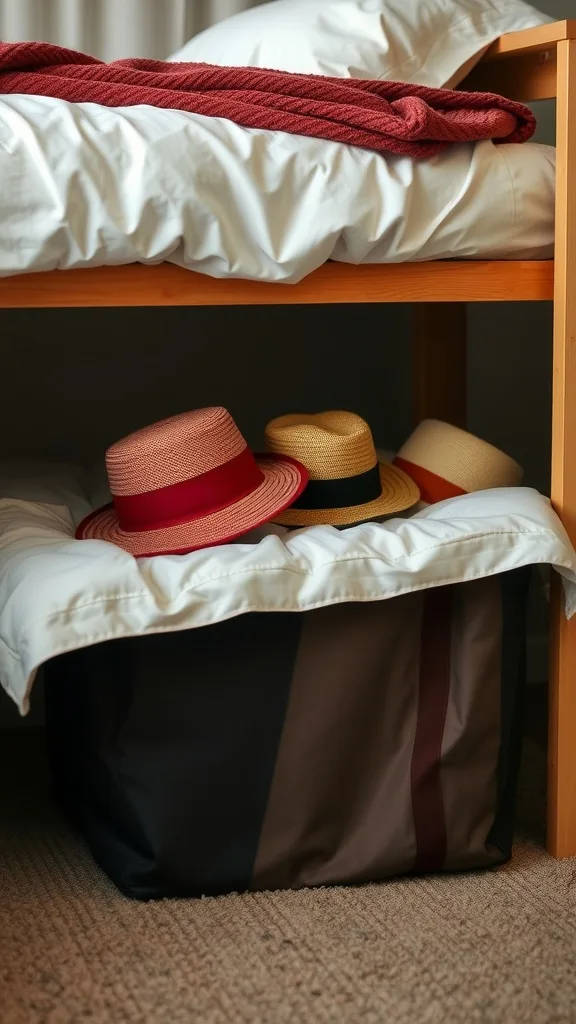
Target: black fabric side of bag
(162,749)
(514,589)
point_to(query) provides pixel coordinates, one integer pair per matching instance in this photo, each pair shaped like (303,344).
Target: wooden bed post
(562,727)
(439,362)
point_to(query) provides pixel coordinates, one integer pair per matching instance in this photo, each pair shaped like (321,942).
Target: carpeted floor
(486,947)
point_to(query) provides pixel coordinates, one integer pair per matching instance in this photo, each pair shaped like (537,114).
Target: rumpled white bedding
(58,594)
(85,186)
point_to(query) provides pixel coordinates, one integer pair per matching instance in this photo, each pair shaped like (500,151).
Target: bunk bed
(534,64)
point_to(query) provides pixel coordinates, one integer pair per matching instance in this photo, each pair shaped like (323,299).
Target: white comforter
(58,594)
(84,185)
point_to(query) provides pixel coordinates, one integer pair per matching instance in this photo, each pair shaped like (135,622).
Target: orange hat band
(433,488)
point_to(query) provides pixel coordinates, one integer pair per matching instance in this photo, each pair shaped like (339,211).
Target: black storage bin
(276,750)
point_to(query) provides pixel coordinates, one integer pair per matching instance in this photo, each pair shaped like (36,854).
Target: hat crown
(331,445)
(457,457)
(173,450)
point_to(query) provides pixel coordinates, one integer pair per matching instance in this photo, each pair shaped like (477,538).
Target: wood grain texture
(167,285)
(531,40)
(530,76)
(562,739)
(439,362)
(522,65)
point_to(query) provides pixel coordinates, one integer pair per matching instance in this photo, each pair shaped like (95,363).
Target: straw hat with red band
(190,482)
(446,461)
(348,484)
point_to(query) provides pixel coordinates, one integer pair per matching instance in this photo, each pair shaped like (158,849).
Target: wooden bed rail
(523,65)
(168,285)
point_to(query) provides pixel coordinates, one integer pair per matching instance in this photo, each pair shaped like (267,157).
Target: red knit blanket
(390,117)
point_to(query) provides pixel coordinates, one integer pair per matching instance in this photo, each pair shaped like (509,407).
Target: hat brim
(284,482)
(399,492)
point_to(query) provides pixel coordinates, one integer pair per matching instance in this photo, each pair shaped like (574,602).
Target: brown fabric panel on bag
(427,800)
(471,742)
(340,806)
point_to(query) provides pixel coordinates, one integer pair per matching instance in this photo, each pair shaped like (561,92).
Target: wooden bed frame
(535,64)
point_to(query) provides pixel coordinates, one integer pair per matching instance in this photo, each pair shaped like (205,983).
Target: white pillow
(430,42)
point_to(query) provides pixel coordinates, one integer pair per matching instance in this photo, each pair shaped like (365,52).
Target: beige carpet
(497,946)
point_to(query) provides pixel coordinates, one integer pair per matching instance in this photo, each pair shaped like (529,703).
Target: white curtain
(110,29)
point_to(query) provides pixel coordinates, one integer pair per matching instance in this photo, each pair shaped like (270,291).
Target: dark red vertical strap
(427,801)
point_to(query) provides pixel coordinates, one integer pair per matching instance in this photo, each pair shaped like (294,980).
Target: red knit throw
(390,117)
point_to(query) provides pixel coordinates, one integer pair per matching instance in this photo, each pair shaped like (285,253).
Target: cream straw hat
(347,484)
(446,461)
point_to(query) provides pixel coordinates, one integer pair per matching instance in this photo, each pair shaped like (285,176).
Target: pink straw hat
(190,482)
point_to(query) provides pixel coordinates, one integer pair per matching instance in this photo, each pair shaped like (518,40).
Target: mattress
(87,186)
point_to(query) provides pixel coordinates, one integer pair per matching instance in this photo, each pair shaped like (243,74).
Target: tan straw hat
(189,482)
(347,483)
(446,461)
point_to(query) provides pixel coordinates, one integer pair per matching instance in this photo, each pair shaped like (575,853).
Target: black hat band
(344,492)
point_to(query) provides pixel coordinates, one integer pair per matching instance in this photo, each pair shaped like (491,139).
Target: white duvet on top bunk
(85,186)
